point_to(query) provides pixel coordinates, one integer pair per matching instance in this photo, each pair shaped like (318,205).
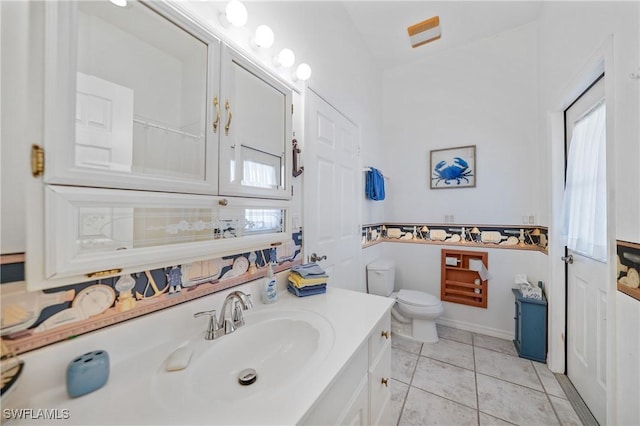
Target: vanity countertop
(138,349)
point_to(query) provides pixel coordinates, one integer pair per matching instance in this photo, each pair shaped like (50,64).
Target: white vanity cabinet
(361,393)
(380,373)
(161,145)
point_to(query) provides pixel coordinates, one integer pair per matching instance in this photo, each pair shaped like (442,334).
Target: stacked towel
(374,185)
(307,280)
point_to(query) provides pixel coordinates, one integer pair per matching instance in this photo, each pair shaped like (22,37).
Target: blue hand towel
(311,270)
(374,185)
(307,291)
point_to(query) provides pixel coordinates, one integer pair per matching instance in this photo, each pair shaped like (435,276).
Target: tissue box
(87,373)
(531,292)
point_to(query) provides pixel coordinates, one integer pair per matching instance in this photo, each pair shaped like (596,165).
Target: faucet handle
(245,299)
(211,313)
(248,302)
(213,327)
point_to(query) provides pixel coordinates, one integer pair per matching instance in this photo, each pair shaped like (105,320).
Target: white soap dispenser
(270,289)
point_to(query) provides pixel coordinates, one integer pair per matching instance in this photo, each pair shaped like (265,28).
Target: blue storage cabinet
(531,327)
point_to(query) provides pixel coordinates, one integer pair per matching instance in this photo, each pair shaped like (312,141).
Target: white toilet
(416,309)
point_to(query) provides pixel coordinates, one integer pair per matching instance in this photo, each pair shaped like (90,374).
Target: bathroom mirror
(141,93)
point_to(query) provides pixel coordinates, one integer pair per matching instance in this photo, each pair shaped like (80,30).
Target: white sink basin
(281,346)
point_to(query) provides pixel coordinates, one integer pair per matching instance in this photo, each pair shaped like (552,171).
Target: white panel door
(332,193)
(587,302)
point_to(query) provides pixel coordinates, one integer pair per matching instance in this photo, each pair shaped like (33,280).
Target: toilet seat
(417,298)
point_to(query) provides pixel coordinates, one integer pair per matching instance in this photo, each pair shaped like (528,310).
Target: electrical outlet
(532,219)
(525,220)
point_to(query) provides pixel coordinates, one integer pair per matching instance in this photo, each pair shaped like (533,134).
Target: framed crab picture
(453,167)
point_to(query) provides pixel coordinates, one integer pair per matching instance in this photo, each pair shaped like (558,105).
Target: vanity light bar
(424,32)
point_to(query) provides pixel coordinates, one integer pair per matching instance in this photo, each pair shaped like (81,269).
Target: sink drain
(247,376)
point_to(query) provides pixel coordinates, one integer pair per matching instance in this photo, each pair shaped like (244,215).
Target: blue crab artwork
(458,172)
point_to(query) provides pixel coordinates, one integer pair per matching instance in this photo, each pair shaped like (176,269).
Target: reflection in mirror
(105,229)
(141,93)
(257,153)
(262,221)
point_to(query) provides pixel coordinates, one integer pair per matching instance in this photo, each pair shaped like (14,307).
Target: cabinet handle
(217,120)
(385,382)
(385,334)
(223,202)
(229,117)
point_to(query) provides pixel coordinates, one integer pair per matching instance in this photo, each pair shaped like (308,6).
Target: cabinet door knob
(385,382)
(223,202)
(385,334)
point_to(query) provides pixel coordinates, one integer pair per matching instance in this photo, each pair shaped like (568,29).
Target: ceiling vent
(424,32)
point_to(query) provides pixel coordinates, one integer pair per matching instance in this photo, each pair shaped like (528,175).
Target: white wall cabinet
(148,121)
(255,157)
(143,97)
(361,395)
(129,98)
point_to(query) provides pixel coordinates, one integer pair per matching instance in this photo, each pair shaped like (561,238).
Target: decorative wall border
(628,266)
(512,237)
(152,291)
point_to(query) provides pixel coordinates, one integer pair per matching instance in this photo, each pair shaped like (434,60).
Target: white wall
(482,94)
(571,34)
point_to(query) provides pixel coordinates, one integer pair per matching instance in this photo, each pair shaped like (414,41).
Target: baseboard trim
(581,409)
(475,328)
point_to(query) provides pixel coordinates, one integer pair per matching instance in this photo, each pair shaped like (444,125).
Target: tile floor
(472,379)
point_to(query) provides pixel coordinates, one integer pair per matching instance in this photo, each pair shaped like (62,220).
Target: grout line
(404,401)
(475,377)
(547,395)
(514,383)
(410,381)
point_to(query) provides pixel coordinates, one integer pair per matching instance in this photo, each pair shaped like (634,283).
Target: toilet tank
(380,277)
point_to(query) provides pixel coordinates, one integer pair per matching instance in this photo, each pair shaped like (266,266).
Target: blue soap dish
(87,373)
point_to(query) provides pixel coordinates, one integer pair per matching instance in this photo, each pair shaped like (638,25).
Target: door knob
(567,259)
(315,258)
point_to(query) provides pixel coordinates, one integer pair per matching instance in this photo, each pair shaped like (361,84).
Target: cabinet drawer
(380,335)
(380,385)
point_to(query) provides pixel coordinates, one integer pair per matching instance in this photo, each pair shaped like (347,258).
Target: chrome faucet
(237,302)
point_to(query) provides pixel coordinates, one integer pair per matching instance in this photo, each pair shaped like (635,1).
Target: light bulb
(285,58)
(121,3)
(303,72)
(235,13)
(264,37)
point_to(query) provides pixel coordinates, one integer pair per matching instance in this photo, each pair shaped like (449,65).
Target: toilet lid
(417,298)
